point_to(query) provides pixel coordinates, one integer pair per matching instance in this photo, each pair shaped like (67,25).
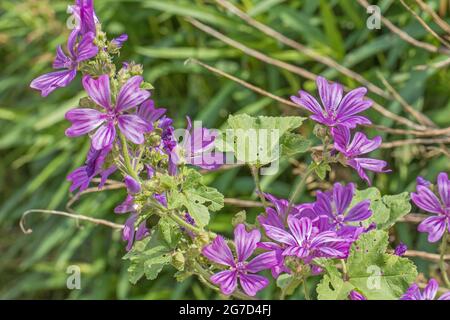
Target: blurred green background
(35,156)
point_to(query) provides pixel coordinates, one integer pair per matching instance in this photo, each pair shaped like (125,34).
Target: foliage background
(35,156)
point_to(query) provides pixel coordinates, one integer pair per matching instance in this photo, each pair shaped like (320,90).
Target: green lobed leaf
(376,274)
(332,286)
(386,210)
(148,257)
(256,140)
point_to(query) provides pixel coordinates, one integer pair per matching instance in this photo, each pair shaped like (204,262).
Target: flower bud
(178,261)
(132,185)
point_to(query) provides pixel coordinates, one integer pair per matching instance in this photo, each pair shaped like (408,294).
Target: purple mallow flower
(77,52)
(82,176)
(360,145)
(197,148)
(149,113)
(132,185)
(120,40)
(401,249)
(336,109)
(428,201)
(85,120)
(429,293)
(335,205)
(355,295)
(85,16)
(277,215)
(238,268)
(130,234)
(305,241)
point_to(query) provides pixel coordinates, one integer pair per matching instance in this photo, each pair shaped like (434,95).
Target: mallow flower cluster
(340,114)
(167,204)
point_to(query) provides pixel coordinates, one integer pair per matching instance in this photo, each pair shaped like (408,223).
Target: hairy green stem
(305,287)
(255,174)
(294,282)
(126,157)
(299,187)
(442,260)
(181,222)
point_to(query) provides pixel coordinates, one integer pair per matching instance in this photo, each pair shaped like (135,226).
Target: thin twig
(243,83)
(292,68)
(425,255)
(76,197)
(422,133)
(399,143)
(439,21)
(68,215)
(406,37)
(244,203)
(424,120)
(425,25)
(414,218)
(303,49)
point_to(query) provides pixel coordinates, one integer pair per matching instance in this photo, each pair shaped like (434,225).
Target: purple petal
(120,40)
(83,121)
(245,242)
(426,200)
(308,102)
(443,184)
(359,212)
(126,206)
(62,61)
(98,90)
(130,95)
(128,231)
(355,295)
(301,228)
(434,226)
(132,185)
(252,283)
(227,280)
(422,182)
(86,48)
(148,112)
(342,196)
(133,127)
(445,296)
(263,261)
(353,103)
(142,231)
(219,252)
(104,136)
(341,136)
(279,235)
(330,94)
(49,82)
(430,290)
(79,178)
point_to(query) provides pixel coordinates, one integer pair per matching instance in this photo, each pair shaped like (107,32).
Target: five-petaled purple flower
(82,176)
(353,149)
(85,120)
(427,200)
(335,109)
(429,293)
(306,241)
(77,52)
(238,268)
(197,148)
(335,203)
